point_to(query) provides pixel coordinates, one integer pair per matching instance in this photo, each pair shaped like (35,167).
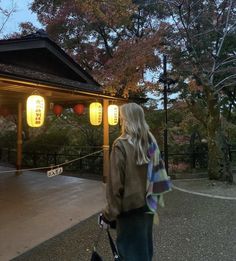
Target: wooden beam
(105,140)
(56,87)
(19,139)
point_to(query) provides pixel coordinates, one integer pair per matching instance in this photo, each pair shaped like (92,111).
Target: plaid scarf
(158,182)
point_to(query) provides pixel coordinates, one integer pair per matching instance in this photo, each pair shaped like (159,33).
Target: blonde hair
(136,130)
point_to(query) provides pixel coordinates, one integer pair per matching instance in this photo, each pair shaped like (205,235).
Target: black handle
(113,247)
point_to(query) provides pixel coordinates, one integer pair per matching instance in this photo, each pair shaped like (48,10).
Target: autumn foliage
(118,42)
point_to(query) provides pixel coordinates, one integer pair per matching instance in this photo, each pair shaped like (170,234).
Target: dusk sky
(22,14)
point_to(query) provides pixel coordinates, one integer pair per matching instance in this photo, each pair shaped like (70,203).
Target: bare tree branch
(228,60)
(222,81)
(221,44)
(7,14)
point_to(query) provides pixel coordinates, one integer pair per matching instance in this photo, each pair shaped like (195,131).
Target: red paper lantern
(4,111)
(57,110)
(79,109)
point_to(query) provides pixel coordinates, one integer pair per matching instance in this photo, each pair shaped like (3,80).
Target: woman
(131,196)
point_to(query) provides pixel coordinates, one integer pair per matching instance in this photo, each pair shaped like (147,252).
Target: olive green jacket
(126,186)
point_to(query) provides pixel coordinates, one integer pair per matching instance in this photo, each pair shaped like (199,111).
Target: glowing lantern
(35,108)
(95,113)
(113,114)
(79,109)
(57,109)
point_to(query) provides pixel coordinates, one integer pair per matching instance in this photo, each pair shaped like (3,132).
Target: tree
(104,36)
(5,14)
(119,41)
(202,53)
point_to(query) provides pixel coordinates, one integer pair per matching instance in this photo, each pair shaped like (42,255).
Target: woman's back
(134,176)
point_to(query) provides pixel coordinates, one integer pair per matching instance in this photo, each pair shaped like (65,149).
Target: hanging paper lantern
(95,113)
(4,111)
(78,109)
(35,109)
(57,110)
(113,114)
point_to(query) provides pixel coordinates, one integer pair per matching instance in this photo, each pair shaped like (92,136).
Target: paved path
(192,228)
(34,208)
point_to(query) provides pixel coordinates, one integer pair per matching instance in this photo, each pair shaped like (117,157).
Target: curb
(203,194)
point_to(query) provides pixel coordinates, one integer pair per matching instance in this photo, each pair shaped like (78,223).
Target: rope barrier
(52,166)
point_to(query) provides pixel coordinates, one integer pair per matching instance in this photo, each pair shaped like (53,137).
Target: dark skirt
(134,236)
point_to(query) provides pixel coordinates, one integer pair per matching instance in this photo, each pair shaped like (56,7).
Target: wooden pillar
(105,140)
(19,139)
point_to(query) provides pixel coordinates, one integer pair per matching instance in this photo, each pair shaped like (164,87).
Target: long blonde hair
(136,130)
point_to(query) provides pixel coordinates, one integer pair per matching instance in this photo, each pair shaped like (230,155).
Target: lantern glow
(95,113)
(57,110)
(113,114)
(35,108)
(78,109)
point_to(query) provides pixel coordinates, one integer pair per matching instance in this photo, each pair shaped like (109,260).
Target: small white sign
(54,172)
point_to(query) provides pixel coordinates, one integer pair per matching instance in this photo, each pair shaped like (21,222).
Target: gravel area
(192,228)
(196,228)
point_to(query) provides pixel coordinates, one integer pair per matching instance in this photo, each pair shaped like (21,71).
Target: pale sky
(22,14)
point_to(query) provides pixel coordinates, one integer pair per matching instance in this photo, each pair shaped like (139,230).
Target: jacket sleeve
(115,184)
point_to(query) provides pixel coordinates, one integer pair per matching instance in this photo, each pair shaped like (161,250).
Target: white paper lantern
(95,113)
(113,114)
(35,110)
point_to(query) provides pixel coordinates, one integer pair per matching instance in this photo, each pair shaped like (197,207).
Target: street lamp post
(167,82)
(166,115)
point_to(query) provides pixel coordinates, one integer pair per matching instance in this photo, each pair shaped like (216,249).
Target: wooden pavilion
(36,63)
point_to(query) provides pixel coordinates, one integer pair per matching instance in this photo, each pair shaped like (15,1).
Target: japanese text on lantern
(38,111)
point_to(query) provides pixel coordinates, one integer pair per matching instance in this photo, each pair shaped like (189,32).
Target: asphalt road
(192,228)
